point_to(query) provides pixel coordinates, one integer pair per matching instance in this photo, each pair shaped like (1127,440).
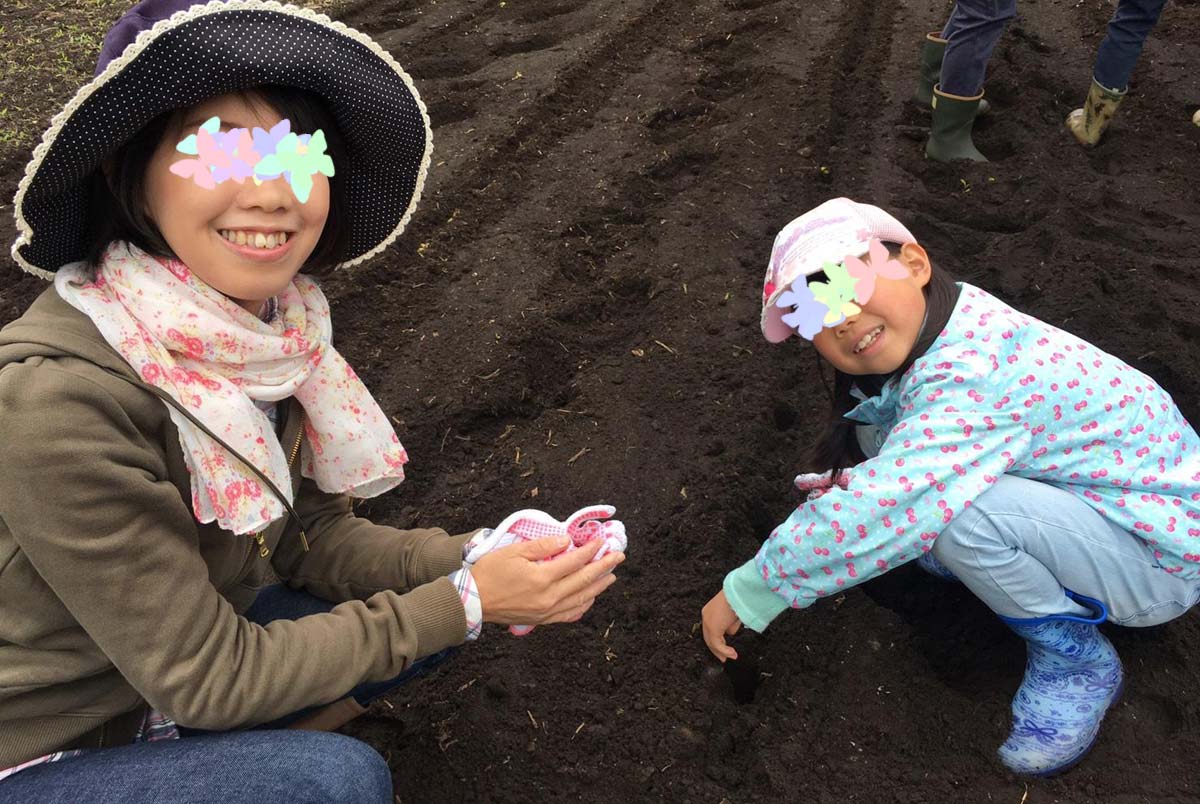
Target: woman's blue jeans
(258,766)
(1127,32)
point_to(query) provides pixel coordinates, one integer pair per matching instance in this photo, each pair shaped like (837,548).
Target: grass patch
(50,50)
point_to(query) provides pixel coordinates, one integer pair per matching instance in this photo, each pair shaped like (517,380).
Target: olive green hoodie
(113,596)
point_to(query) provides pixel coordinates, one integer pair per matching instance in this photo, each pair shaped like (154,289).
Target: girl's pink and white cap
(827,233)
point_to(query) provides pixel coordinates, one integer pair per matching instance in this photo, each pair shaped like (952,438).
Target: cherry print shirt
(998,392)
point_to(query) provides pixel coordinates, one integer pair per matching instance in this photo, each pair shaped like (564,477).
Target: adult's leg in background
(1127,32)
(974,28)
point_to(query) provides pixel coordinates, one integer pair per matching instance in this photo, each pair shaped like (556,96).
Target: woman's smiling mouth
(254,239)
(257,245)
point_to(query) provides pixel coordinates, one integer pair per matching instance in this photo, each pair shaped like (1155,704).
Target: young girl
(177,428)
(1058,483)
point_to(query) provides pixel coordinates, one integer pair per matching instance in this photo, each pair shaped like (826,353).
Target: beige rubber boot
(1089,123)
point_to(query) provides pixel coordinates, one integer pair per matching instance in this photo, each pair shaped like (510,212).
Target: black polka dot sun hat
(167,54)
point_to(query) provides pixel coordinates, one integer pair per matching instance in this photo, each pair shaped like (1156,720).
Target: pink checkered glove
(583,526)
(815,485)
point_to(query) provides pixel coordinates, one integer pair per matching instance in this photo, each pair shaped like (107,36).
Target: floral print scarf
(186,338)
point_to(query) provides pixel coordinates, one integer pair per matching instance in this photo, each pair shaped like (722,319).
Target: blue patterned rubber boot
(937,569)
(1072,676)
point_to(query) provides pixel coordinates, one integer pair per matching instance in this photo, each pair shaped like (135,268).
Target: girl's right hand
(718,620)
(517,587)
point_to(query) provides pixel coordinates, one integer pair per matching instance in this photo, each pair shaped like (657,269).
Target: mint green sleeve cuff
(751,600)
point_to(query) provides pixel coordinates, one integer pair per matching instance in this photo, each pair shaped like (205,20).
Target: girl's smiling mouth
(869,342)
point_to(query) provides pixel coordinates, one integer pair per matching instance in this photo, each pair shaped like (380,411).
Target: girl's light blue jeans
(1022,541)
(267,764)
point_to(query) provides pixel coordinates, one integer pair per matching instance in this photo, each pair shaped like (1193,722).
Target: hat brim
(234,45)
(771,321)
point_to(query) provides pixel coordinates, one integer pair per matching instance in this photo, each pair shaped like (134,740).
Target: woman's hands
(517,587)
(718,620)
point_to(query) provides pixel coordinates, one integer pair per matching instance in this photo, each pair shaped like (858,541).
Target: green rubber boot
(932,51)
(931,68)
(950,133)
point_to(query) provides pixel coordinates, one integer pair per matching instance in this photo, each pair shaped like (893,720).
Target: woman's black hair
(117,210)
(837,448)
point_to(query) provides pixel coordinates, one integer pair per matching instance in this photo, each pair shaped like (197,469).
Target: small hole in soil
(743,676)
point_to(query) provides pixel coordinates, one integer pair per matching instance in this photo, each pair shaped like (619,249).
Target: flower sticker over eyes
(240,154)
(849,284)
(808,313)
(265,142)
(188,144)
(202,145)
(220,156)
(299,158)
(837,294)
(865,273)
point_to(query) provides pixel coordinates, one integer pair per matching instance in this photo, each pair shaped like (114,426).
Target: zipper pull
(263,550)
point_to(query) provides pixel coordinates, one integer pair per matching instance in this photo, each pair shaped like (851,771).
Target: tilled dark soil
(572,318)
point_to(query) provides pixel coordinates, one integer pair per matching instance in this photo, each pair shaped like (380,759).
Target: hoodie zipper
(256,536)
(291,460)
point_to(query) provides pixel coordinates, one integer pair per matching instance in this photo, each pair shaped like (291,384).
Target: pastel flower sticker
(220,156)
(300,160)
(837,294)
(239,147)
(188,144)
(265,142)
(808,313)
(240,154)
(210,158)
(865,273)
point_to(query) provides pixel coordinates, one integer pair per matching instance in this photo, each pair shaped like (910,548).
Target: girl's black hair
(117,210)
(837,448)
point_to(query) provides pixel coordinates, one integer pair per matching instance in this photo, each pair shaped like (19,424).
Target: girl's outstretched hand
(718,620)
(516,585)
